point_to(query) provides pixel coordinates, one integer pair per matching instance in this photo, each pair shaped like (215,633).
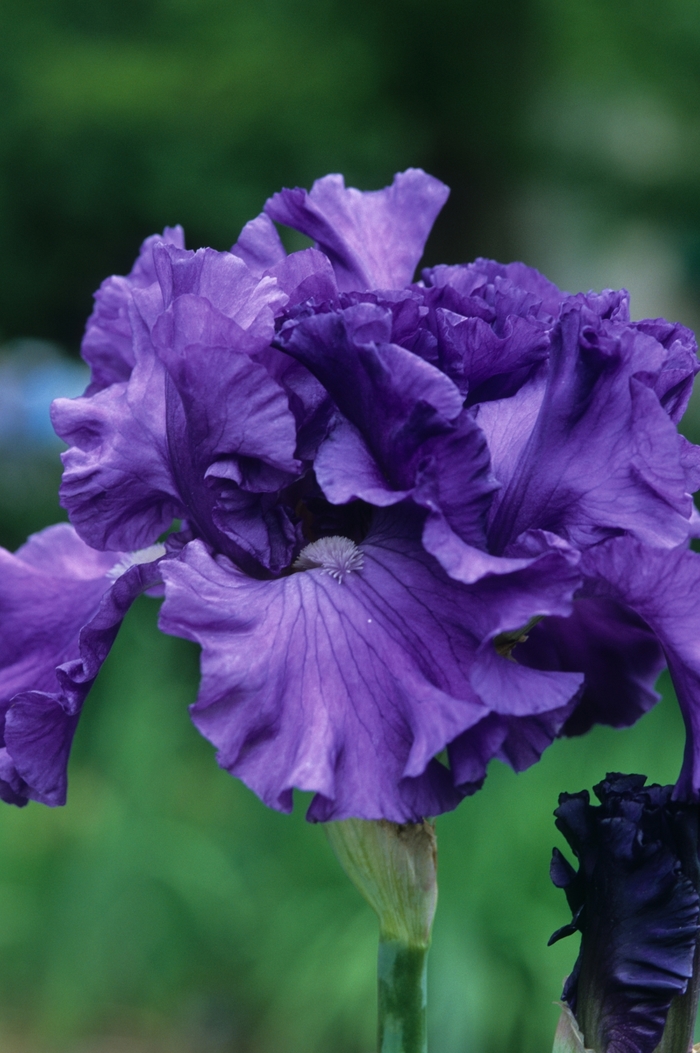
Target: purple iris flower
(578,407)
(388,494)
(634,899)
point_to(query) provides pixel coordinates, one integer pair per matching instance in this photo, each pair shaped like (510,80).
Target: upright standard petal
(61,605)
(118,486)
(124,480)
(349,352)
(259,245)
(231,435)
(374,239)
(219,277)
(107,344)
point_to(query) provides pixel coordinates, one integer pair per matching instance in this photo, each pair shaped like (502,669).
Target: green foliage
(118,117)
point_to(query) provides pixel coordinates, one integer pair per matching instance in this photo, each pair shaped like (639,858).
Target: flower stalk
(394,866)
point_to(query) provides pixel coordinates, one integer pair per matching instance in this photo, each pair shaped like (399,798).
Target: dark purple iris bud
(61,605)
(634,899)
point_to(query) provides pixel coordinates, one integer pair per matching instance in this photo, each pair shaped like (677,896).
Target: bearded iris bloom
(410,516)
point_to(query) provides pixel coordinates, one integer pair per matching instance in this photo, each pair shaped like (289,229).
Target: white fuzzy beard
(337,556)
(131,559)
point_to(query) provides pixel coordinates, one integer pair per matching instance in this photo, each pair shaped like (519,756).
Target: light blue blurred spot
(32,374)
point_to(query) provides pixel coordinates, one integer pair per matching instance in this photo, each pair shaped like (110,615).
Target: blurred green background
(165,910)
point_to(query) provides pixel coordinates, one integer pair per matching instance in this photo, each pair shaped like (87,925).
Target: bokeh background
(165,910)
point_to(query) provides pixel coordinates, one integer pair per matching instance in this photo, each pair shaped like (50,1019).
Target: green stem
(402,998)
(394,866)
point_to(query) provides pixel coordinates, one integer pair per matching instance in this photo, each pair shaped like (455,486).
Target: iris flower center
(336,555)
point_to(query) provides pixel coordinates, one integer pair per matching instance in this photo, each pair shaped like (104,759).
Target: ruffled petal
(61,605)
(305,275)
(49,588)
(233,406)
(259,245)
(484,278)
(219,277)
(481,359)
(349,689)
(117,482)
(231,434)
(603,456)
(349,353)
(454,483)
(673,383)
(662,588)
(375,239)
(516,741)
(347,471)
(126,474)
(615,648)
(107,344)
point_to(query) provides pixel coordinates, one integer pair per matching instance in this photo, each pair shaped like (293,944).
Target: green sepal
(394,866)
